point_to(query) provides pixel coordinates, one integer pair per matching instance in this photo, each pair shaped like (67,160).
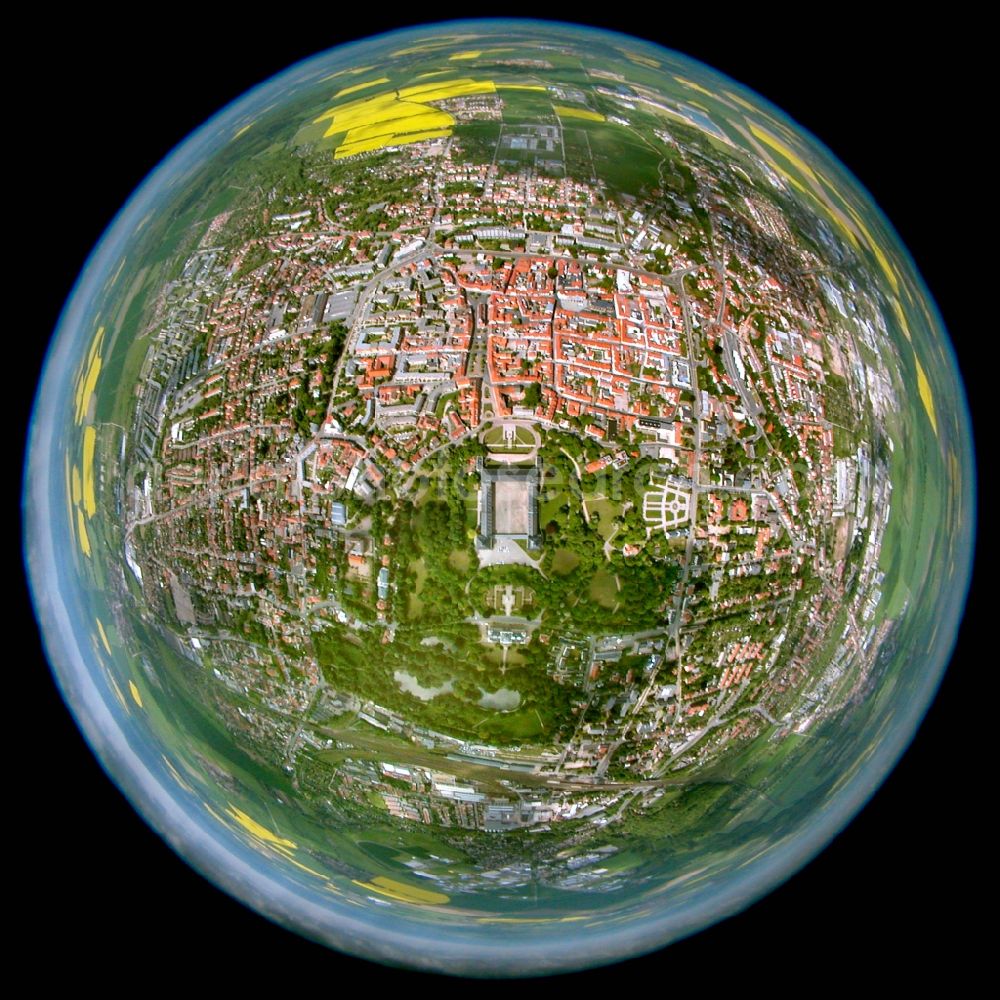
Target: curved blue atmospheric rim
(216,852)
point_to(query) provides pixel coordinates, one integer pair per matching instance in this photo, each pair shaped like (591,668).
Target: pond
(411,685)
(503,700)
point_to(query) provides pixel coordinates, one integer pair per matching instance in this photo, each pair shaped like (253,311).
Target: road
(680,599)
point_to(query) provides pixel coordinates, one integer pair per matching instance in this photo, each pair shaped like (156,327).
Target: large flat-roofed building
(508,505)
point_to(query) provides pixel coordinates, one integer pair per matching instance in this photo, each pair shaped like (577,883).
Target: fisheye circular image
(499,498)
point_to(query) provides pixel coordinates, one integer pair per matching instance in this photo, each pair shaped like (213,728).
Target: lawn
(606,511)
(604,588)
(908,537)
(419,569)
(460,560)
(549,510)
(414,606)
(564,561)
(472,510)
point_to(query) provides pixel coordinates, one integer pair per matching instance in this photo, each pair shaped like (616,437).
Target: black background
(890,888)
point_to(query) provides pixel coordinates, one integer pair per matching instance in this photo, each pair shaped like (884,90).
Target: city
(506,473)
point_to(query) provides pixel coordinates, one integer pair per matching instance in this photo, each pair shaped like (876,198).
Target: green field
(604,588)
(551,510)
(910,533)
(460,560)
(606,511)
(414,605)
(531,107)
(621,158)
(579,162)
(478,140)
(564,561)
